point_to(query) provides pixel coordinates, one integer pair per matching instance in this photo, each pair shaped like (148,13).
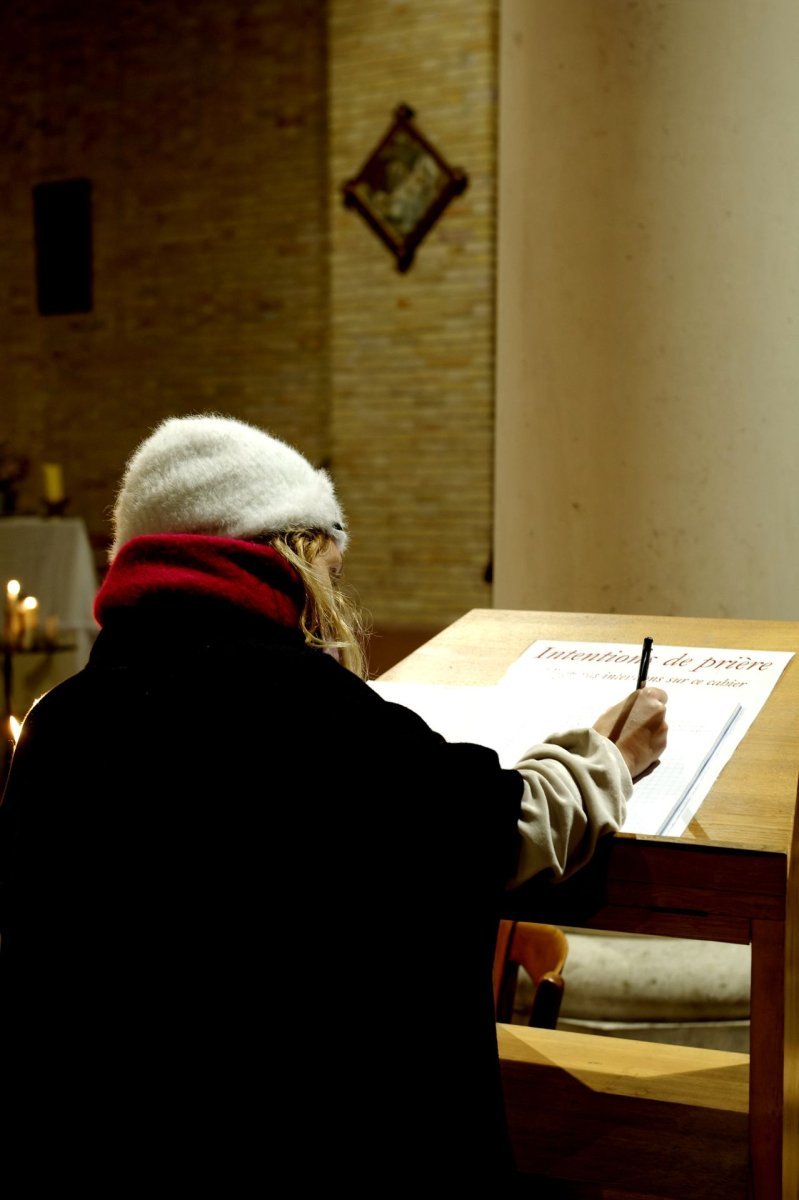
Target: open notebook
(501,718)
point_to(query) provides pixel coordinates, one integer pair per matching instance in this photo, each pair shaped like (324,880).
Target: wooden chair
(541,950)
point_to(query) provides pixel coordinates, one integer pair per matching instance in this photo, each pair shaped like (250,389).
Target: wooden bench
(645,1119)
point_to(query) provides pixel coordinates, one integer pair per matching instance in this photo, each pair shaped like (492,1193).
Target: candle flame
(30,603)
(15,726)
(13,589)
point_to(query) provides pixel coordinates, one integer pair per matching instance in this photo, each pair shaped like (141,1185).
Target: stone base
(653,989)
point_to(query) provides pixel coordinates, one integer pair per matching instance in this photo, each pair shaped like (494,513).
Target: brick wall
(202,128)
(412,355)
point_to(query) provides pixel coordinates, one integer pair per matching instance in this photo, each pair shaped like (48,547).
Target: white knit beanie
(215,475)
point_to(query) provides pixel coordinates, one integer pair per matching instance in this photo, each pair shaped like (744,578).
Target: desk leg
(766,1050)
(790,1148)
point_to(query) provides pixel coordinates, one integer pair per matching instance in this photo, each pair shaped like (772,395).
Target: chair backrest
(542,951)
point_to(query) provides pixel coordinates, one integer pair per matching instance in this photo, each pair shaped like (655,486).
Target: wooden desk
(733,875)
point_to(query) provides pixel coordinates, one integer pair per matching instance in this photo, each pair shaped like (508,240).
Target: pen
(643,667)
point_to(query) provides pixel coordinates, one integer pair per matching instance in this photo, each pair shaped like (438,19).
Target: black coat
(249,907)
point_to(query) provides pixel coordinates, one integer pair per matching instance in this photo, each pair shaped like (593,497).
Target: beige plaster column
(648,303)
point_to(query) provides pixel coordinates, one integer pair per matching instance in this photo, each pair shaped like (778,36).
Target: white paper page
(658,801)
(708,680)
(490,716)
(459,714)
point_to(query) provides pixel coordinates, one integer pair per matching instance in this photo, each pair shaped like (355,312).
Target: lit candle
(11,628)
(53,482)
(30,616)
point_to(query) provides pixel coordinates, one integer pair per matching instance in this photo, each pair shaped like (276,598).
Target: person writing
(237,882)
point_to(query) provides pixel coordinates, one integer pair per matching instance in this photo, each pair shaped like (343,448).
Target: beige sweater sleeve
(576,787)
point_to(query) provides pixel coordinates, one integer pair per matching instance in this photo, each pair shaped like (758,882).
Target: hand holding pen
(638,724)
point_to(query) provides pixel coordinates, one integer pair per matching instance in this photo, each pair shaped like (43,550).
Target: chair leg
(546,1002)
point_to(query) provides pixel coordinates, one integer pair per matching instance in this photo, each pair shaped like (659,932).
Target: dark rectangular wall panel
(62,222)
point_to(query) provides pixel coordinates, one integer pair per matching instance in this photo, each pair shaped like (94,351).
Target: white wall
(648,359)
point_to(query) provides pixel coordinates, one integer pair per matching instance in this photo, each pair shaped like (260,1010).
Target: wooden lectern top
(753,803)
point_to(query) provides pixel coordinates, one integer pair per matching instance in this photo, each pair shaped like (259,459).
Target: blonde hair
(330,619)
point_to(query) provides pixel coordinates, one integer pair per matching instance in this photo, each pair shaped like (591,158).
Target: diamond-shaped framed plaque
(403,187)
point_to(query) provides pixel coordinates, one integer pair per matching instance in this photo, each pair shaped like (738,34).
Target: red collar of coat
(252,578)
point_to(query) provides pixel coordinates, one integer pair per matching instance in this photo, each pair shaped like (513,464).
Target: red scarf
(248,576)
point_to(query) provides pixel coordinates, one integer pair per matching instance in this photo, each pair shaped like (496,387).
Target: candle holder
(55,508)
